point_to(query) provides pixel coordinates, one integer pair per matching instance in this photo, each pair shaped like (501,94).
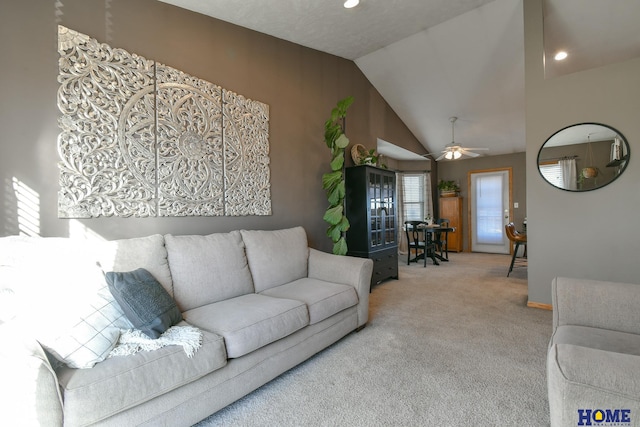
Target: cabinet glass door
(375,212)
(382,209)
(388,189)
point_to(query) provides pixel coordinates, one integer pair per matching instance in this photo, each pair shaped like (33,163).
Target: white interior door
(490,211)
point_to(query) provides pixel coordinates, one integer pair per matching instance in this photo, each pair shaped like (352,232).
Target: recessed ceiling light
(560,55)
(351,3)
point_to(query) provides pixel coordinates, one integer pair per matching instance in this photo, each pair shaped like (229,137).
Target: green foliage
(333,182)
(333,215)
(330,180)
(340,247)
(342,141)
(448,186)
(337,162)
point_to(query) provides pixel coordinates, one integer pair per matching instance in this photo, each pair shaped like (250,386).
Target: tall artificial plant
(333,182)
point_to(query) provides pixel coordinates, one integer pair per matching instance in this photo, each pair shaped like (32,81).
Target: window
(552,172)
(413,200)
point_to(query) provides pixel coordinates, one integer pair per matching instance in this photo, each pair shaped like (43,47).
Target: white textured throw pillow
(62,299)
(88,335)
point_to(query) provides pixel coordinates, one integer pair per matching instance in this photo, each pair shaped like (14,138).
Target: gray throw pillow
(144,301)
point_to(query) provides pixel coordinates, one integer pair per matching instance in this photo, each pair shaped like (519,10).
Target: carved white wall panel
(143,139)
(246,156)
(189,145)
(96,82)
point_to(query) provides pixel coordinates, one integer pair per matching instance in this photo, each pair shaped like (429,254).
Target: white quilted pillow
(61,298)
(88,333)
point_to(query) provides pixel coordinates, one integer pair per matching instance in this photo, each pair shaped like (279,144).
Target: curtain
(569,174)
(428,197)
(402,236)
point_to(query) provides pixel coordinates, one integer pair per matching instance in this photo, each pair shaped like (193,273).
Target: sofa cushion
(207,269)
(251,321)
(122,382)
(140,252)
(276,257)
(36,269)
(323,299)
(596,369)
(146,304)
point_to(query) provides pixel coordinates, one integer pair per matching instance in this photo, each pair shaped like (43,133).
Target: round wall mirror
(583,157)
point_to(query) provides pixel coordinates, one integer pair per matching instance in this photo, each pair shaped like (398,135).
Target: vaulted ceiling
(434,59)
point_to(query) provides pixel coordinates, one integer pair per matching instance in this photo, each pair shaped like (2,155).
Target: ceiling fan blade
(441,157)
(476,148)
(469,153)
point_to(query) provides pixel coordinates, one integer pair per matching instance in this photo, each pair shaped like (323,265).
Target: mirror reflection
(583,157)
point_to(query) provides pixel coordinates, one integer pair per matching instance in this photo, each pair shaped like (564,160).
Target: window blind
(552,172)
(413,200)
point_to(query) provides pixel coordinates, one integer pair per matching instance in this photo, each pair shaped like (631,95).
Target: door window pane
(489,209)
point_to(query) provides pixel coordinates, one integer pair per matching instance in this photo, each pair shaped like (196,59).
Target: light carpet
(448,345)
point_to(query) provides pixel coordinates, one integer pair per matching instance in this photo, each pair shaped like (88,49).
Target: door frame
(509,170)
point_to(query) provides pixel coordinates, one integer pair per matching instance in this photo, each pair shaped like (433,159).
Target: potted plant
(590,172)
(370,158)
(586,173)
(362,156)
(448,188)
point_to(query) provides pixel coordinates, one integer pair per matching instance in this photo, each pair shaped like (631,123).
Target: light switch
(515,205)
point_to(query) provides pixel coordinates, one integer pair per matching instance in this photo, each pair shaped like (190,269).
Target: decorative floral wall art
(143,139)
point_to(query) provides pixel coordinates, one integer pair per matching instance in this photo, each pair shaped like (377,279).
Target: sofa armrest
(346,270)
(597,304)
(30,393)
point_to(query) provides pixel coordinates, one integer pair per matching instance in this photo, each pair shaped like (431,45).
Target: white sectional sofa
(263,301)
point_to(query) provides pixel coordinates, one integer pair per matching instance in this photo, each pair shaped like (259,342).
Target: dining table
(434,231)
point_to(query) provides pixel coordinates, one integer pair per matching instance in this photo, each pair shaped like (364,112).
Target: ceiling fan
(453,151)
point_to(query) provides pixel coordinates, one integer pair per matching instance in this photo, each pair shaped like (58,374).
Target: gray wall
(585,235)
(458,171)
(300,85)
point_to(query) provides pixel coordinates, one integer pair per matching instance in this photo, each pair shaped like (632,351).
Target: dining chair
(415,241)
(441,239)
(518,239)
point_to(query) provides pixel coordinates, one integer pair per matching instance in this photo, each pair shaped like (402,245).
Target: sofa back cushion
(207,269)
(276,257)
(140,252)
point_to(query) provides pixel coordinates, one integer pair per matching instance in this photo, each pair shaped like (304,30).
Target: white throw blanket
(133,340)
